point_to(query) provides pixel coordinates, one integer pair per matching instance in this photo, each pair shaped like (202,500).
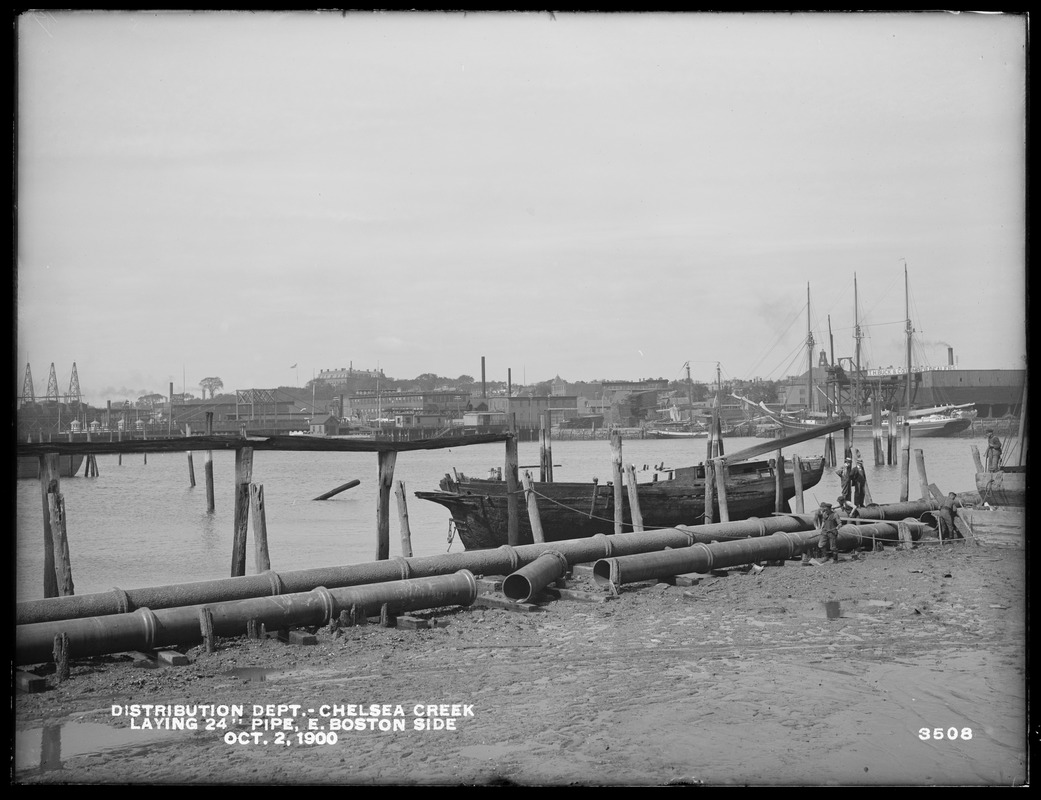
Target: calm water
(141,524)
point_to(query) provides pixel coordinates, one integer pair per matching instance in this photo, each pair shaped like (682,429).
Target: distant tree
(151,400)
(543,389)
(427,381)
(211,385)
(464,380)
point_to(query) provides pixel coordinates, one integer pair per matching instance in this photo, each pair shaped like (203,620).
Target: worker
(846,477)
(858,480)
(993,451)
(811,550)
(829,538)
(946,516)
(844,507)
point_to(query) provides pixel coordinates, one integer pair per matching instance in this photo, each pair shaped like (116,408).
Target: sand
(740,679)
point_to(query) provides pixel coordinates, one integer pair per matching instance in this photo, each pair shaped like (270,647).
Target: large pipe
(146,629)
(702,558)
(498,561)
(529,580)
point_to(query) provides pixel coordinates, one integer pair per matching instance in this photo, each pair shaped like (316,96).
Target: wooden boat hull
(1003,527)
(29,466)
(479,507)
(1005,488)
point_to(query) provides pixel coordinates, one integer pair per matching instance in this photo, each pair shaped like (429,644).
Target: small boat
(682,431)
(29,466)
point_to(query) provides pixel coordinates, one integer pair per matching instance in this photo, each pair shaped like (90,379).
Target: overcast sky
(591,196)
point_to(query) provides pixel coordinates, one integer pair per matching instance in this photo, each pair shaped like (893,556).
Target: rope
(597,518)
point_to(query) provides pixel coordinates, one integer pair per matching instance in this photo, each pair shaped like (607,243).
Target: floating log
(338,489)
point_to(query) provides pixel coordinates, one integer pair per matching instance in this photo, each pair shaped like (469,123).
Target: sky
(261,196)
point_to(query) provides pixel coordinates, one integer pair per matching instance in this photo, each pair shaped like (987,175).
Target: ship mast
(809,354)
(909,330)
(856,362)
(690,398)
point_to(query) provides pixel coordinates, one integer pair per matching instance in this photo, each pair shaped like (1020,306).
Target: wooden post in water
(876,433)
(243,477)
(543,469)
(976,458)
(549,446)
(905,462)
(892,445)
(60,540)
(779,482)
(387,460)
(208,466)
(923,480)
(406,531)
(616,475)
(710,491)
(634,498)
(721,488)
(256,500)
(800,507)
(48,482)
(511,467)
(533,509)
(191,463)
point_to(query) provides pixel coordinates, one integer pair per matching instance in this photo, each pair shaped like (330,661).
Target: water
(141,524)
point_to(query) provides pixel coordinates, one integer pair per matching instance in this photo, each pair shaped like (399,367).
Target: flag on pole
(293,367)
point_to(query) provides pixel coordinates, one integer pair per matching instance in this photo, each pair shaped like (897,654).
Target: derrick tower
(28,395)
(52,386)
(74,386)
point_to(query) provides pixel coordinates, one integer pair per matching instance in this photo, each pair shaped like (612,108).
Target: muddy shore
(739,679)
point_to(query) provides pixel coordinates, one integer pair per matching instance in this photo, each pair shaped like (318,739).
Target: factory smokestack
(950,356)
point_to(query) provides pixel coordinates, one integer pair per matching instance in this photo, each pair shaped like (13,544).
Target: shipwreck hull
(479,508)
(29,466)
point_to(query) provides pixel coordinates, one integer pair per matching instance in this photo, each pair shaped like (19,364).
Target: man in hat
(993,451)
(829,528)
(846,477)
(946,516)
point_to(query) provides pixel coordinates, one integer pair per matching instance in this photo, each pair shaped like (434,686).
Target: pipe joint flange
(709,560)
(123,605)
(605,540)
(406,570)
(760,526)
(277,587)
(328,604)
(511,553)
(149,625)
(559,556)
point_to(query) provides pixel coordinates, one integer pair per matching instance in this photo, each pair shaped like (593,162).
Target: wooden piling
(406,531)
(891,443)
(206,629)
(512,487)
(923,480)
(876,434)
(549,446)
(634,498)
(779,482)
(616,474)
(387,460)
(976,458)
(905,462)
(721,489)
(260,551)
(48,482)
(60,541)
(800,507)
(191,463)
(533,509)
(243,477)
(60,653)
(710,491)
(208,466)
(543,469)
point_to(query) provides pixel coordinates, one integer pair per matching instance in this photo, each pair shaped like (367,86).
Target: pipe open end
(602,572)
(517,587)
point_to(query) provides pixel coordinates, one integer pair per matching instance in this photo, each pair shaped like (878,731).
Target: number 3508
(925,734)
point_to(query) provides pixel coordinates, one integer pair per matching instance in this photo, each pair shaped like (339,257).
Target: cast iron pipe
(498,561)
(529,580)
(704,558)
(145,629)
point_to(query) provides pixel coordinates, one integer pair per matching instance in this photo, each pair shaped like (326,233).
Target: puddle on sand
(255,674)
(44,749)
